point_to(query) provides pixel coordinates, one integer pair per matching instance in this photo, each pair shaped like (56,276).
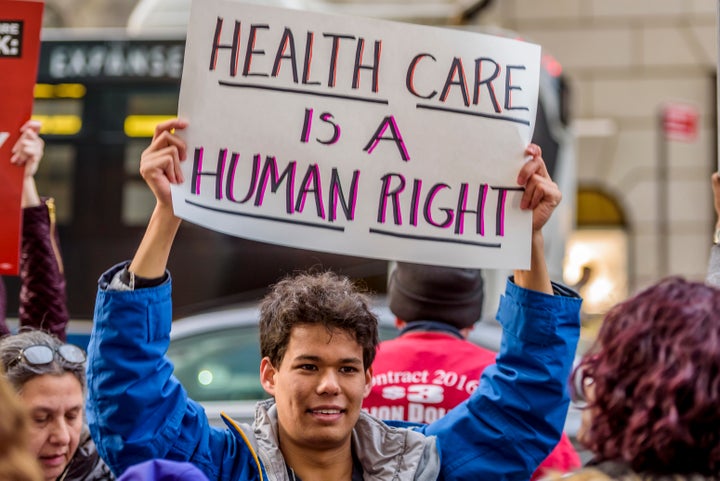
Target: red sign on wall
(20,24)
(680,122)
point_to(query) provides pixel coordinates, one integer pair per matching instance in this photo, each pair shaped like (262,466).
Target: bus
(99,95)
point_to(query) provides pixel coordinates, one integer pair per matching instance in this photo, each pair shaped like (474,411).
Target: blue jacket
(138,411)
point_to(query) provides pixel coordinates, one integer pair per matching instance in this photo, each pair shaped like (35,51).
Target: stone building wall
(87,13)
(624,60)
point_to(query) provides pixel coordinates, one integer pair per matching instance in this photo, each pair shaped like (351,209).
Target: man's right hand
(541,194)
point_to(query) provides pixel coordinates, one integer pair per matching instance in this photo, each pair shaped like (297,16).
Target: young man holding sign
(318,341)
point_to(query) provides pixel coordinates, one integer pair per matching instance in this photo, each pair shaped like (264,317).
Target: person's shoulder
(87,464)
(608,471)
(585,474)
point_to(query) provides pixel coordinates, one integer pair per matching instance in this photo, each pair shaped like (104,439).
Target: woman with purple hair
(651,384)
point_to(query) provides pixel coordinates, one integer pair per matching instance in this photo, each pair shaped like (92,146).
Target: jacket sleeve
(516,416)
(43,299)
(137,410)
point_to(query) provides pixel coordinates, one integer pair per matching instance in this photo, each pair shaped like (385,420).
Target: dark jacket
(43,298)
(86,464)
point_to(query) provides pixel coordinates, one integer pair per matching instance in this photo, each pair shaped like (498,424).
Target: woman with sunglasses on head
(651,387)
(49,377)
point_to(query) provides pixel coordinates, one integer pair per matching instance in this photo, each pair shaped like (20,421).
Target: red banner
(20,24)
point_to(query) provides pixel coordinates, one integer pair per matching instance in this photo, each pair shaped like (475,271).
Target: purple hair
(655,371)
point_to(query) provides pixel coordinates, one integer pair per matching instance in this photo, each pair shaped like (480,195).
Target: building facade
(627,62)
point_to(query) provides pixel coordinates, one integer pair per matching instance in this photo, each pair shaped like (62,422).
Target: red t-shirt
(420,376)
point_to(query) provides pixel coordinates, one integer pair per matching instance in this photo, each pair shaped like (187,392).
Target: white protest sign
(356,136)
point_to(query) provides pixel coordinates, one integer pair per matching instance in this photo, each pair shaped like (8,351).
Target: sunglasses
(41,354)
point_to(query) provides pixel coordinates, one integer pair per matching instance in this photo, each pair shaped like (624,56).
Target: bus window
(138,203)
(153,103)
(144,111)
(137,200)
(55,179)
(59,109)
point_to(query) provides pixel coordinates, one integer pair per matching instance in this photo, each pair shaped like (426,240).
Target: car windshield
(219,365)
(223,364)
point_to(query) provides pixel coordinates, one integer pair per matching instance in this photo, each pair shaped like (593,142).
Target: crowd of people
(649,386)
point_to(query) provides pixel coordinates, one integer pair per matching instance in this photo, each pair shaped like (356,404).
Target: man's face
(318,388)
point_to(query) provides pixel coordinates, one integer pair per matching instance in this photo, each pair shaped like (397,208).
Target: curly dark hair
(655,374)
(316,298)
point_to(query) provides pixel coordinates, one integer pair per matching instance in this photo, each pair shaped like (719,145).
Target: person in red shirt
(431,366)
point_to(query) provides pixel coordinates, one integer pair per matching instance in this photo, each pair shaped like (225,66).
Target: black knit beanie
(433,293)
